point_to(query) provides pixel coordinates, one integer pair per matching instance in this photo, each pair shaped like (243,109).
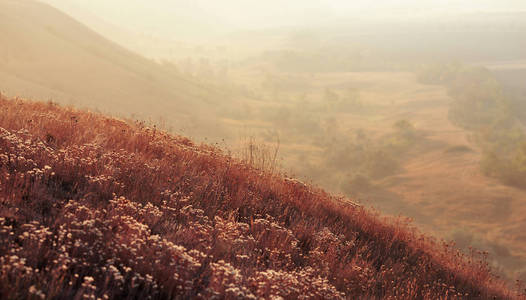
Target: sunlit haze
(182,19)
(263,149)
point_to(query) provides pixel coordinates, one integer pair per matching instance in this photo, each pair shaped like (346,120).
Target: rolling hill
(92,206)
(45,54)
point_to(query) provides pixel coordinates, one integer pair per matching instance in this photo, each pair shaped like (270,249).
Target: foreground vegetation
(94,207)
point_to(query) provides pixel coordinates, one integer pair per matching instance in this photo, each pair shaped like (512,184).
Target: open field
(439,182)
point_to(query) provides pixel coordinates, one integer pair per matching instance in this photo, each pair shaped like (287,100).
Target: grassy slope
(45,54)
(96,206)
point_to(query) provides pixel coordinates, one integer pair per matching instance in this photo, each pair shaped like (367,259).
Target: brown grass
(93,207)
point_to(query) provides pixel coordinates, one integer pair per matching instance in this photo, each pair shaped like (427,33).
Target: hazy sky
(191,17)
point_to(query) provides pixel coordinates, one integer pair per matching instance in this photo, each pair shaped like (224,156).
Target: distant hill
(94,207)
(46,54)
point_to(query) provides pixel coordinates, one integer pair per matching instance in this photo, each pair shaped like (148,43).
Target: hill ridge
(53,56)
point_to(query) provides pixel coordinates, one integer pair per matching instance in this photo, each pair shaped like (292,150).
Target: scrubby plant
(458,149)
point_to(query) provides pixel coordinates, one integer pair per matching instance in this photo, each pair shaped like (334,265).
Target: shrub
(458,149)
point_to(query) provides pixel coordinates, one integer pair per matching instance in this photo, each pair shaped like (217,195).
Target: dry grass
(259,154)
(93,207)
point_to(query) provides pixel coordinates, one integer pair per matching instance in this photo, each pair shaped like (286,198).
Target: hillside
(92,206)
(45,54)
